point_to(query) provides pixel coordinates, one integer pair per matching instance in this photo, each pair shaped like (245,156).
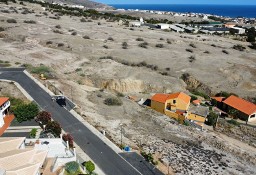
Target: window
(174,101)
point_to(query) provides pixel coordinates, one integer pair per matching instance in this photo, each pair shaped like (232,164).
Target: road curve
(109,161)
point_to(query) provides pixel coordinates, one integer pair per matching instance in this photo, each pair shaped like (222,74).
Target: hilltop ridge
(86,3)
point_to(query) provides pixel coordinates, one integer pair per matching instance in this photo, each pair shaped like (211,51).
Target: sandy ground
(188,150)
(8,89)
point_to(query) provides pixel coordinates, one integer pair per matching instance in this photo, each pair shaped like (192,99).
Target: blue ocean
(248,11)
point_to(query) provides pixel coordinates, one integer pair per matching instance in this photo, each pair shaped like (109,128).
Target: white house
(237,30)
(163,26)
(4,109)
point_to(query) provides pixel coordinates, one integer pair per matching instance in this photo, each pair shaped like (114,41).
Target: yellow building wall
(180,105)
(160,107)
(174,115)
(195,117)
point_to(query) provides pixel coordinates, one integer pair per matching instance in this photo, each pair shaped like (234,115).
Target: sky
(231,2)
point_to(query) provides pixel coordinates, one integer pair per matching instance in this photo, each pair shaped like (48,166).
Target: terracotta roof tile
(163,97)
(3,100)
(219,99)
(241,104)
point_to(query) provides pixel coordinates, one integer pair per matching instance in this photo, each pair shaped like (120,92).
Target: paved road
(141,164)
(110,162)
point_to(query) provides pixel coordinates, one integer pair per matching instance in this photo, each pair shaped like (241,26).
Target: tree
(212,119)
(233,112)
(43,117)
(72,167)
(25,112)
(54,127)
(69,138)
(251,34)
(90,167)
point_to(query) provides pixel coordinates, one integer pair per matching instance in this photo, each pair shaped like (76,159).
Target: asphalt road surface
(110,162)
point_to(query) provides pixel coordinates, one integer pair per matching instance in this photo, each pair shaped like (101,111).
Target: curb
(20,88)
(96,132)
(39,83)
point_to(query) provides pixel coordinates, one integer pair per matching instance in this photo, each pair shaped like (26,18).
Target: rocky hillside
(86,3)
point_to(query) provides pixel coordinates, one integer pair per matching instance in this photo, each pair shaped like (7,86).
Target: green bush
(42,69)
(90,167)
(233,122)
(33,132)
(113,101)
(25,112)
(72,168)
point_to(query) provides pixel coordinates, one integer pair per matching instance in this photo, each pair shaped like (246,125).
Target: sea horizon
(248,11)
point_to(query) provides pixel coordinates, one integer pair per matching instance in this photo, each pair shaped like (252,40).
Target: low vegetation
(226,52)
(11,21)
(113,101)
(234,122)
(189,50)
(30,21)
(72,168)
(160,45)
(144,45)
(192,45)
(25,111)
(139,39)
(86,37)
(33,132)
(124,45)
(89,166)
(239,47)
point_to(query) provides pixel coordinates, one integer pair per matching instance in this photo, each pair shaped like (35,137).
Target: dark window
(174,101)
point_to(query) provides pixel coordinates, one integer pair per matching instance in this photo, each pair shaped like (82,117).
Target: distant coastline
(233,11)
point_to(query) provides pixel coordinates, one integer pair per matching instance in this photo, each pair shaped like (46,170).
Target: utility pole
(121,134)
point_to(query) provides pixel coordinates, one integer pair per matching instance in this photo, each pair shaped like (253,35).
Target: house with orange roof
(4,109)
(172,102)
(217,101)
(246,110)
(173,105)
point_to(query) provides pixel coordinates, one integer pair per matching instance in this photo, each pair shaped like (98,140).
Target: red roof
(241,104)
(163,97)
(219,99)
(3,100)
(196,102)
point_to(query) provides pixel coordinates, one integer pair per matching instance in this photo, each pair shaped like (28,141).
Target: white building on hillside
(163,26)
(4,109)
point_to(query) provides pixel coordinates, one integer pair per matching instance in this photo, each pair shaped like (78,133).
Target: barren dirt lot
(90,69)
